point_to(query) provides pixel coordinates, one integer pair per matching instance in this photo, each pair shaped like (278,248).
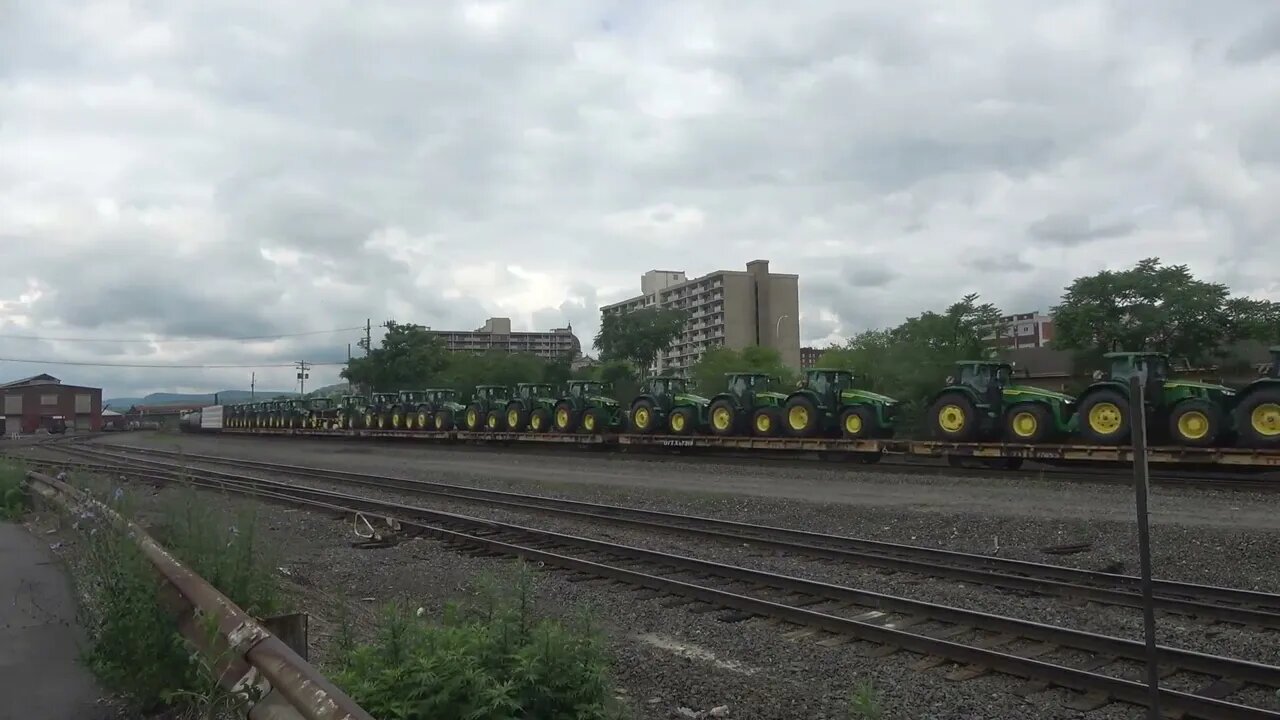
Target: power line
(211,366)
(163,340)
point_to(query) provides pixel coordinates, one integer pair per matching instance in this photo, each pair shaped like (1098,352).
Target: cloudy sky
(204,171)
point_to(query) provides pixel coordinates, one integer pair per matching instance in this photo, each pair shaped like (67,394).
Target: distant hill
(225,397)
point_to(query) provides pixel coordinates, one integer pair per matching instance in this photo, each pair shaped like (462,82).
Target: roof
(41,379)
(110,413)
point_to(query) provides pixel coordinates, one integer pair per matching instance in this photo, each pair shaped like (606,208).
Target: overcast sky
(226,169)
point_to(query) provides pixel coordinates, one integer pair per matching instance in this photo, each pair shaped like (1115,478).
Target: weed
(864,702)
(487,659)
(13,497)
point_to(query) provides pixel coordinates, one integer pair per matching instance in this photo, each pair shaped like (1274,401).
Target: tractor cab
(385,399)
(412,397)
(664,389)
(751,389)
(827,383)
(351,402)
(987,379)
(584,389)
(1257,408)
(441,395)
(533,391)
(320,403)
(492,393)
(1151,368)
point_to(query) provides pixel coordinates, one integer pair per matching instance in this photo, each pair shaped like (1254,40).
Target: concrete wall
(739,314)
(782,321)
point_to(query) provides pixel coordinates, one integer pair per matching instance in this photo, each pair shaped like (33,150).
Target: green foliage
(708,374)
(1158,308)
(408,357)
(639,336)
(13,498)
(911,361)
(864,702)
(490,659)
(464,371)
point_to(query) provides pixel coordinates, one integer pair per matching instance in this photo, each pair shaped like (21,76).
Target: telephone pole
(303,366)
(253,382)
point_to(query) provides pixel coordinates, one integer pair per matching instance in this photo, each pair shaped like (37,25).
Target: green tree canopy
(638,336)
(1161,308)
(407,358)
(708,374)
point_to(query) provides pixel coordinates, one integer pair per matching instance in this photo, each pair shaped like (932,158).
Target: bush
(13,498)
(486,660)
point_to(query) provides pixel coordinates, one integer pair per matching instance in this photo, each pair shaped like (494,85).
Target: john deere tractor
(1257,415)
(828,402)
(665,403)
(347,413)
(747,398)
(314,412)
(445,409)
(981,402)
(377,414)
(1187,412)
(288,413)
(531,407)
(587,406)
(404,413)
(486,409)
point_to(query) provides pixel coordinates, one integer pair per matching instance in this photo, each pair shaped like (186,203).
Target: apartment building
(496,334)
(727,308)
(809,357)
(1023,330)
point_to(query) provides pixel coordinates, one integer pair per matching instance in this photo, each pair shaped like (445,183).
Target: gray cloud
(1071,229)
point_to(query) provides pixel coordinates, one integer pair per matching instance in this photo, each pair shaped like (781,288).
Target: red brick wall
(35,414)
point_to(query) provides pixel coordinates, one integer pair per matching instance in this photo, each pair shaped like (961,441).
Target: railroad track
(1203,601)
(969,643)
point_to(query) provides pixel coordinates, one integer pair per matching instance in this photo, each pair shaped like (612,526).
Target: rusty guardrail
(276,683)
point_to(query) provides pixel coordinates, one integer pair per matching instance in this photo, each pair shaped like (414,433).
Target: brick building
(37,402)
(809,356)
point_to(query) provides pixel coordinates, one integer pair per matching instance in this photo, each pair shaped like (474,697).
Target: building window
(84,404)
(48,399)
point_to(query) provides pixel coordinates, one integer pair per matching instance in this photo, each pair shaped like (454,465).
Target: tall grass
(13,499)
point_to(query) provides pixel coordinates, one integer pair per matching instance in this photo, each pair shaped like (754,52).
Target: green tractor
(377,414)
(982,403)
(587,406)
(289,413)
(530,408)
(1192,413)
(828,402)
(408,406)
(1257,413)
(665,402)
(315,412)
(252,415)
(445,409)
(345,412)
(748,397)
(486,408)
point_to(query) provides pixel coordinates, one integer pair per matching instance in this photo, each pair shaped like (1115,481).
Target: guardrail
(275,681)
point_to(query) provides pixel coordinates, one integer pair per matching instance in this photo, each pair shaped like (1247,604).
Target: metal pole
(1138,425)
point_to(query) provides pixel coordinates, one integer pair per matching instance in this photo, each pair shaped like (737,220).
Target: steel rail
(1227,604)
(532,543)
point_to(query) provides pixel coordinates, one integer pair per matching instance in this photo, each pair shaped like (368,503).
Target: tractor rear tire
(858,423)
(682,421)
(565,418)
(473,421)
(643,418)
(515,419)
(539,420)
(594,421)
(444,420)
(423,420)
(1104,418)
(1258,419)
(494,422)
(766,422)
(1030,423)
(801,417)
(722,417)
(1195,423)
(954,418)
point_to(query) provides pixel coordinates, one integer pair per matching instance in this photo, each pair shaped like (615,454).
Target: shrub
(485,660)
(13,498)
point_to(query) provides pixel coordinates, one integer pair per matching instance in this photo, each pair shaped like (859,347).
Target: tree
(1158,308)
(639,336)
(708,374)
(408,357)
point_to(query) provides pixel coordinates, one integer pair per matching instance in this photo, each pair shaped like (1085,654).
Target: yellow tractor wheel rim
(422,419)
(472,421)
(853,424)
(798,417)
(677,422)
(535,422)
(763,423)
(493,422)
(1193,425)
(439,422)
(368,420)
(951,418)
(1105,418)
(1265,419)
(1025,424)
(395,420)
(721,418)
(382,421)
(513,419)
(589,422)
(562,418)
(642,418)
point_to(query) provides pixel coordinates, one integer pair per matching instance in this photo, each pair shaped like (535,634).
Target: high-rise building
(1023,330)
(809,357)
(727,308)
(555,344)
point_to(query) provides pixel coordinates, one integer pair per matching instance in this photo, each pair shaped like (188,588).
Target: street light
(777,327)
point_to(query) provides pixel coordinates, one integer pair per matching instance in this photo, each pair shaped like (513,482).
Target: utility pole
(303,366)
(368,335)
(253,382)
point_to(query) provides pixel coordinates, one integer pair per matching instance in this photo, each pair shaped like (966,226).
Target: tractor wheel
(494,421)
(594,421)
(766,422)
(858,423)
(1196,423)
(643,419)
(473,421)
(565,418)
(723,418)
(1104,418)
(682,421)
(515,419)
(539,420)
(1030,423)
(384,421)
(397,418)
(422,419)
(801,417)
(1258,418)
(954,418)
(444,420)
